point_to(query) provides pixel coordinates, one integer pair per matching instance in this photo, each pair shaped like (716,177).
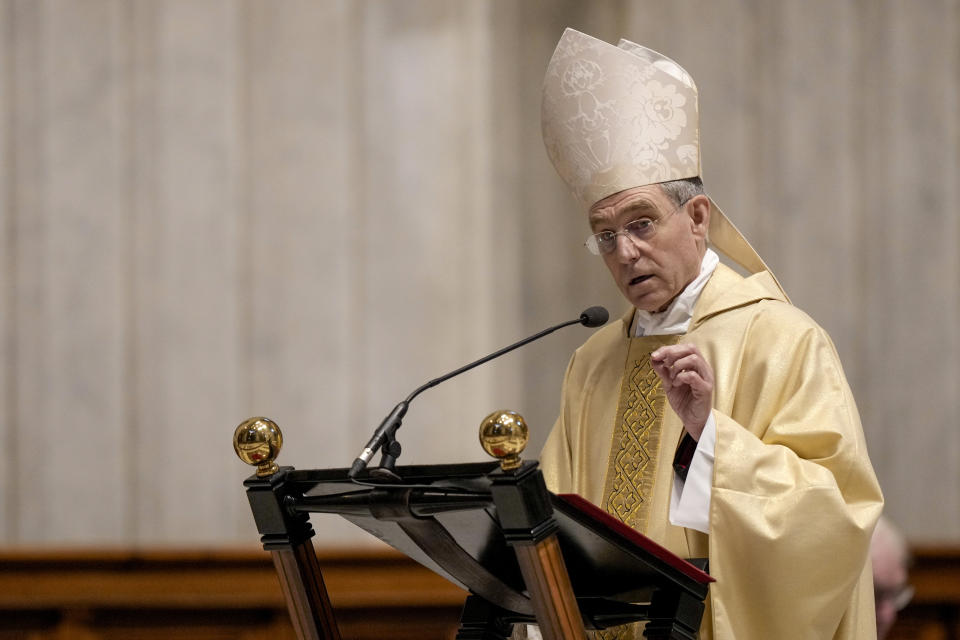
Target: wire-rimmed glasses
(642,229)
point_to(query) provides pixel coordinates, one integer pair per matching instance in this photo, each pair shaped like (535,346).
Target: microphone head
(594,317)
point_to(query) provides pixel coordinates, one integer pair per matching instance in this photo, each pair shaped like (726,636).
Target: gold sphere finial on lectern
(504,435)
(257,442)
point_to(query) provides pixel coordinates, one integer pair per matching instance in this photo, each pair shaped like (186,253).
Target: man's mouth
(640,279)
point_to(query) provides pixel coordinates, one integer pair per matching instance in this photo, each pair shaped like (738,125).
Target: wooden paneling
(216,594)
(80,595)
(934,612)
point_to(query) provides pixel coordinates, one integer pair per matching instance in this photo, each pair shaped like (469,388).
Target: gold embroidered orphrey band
(632,466)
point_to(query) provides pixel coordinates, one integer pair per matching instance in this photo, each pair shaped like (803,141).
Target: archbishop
(714,416)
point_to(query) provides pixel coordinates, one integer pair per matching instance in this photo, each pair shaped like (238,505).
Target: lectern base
(674,616)
(481,620)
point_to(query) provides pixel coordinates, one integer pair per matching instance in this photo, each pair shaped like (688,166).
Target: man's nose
(627,248)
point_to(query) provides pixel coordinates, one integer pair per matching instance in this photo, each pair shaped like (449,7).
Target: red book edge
(637,538)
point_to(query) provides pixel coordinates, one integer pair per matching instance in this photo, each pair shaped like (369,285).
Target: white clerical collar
(676,319)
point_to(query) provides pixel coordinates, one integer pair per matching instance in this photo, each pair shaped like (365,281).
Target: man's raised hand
(688,382)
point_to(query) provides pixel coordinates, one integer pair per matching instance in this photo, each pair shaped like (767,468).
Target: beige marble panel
(217,208)
(8,370)
(912,289)
(188,338)
(69,206)
(501,175)
(299,239)
(140,55)
(27,400)
(423,229)
(874,186)
(722,61)
(816,216)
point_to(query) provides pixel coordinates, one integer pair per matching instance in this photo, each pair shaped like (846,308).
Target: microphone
(592,317)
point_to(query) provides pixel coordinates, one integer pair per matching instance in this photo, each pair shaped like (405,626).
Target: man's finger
(693,380)
(690,362)
(670,353)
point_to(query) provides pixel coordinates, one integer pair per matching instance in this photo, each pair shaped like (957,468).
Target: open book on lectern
(443,517)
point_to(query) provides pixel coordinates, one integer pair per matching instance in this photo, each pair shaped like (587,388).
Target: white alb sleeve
(690,500)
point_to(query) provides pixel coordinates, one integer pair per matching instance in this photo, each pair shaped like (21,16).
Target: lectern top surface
(443,517)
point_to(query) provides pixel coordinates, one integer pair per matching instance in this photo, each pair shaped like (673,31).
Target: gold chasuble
(794,498)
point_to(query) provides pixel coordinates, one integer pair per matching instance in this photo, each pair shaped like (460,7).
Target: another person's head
(890,558)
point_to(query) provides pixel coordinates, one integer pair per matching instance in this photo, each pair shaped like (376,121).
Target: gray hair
(682,190)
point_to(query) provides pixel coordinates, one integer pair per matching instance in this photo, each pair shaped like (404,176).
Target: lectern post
(526,517)
(287,536)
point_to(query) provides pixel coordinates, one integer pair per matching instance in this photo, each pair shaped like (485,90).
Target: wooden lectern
(525,554)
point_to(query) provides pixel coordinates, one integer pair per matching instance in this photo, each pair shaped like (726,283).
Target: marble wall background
(211,209)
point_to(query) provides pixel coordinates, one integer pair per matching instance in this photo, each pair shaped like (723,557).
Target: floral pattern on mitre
(688,154)
(581,76)
(612,120)
(593,115)
(663,109)
(651,162)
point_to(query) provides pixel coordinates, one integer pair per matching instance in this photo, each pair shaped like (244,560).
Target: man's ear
(699,210)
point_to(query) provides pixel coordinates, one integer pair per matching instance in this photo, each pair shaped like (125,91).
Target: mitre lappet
(617,117)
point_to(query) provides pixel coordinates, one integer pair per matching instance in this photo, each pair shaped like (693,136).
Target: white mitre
(614,118)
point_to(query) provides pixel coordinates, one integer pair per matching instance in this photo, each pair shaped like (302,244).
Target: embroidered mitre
(617,117)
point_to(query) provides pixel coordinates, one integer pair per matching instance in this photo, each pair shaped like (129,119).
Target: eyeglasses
(643,229)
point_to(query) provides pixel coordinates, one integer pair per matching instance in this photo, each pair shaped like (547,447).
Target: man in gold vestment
(771,480)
